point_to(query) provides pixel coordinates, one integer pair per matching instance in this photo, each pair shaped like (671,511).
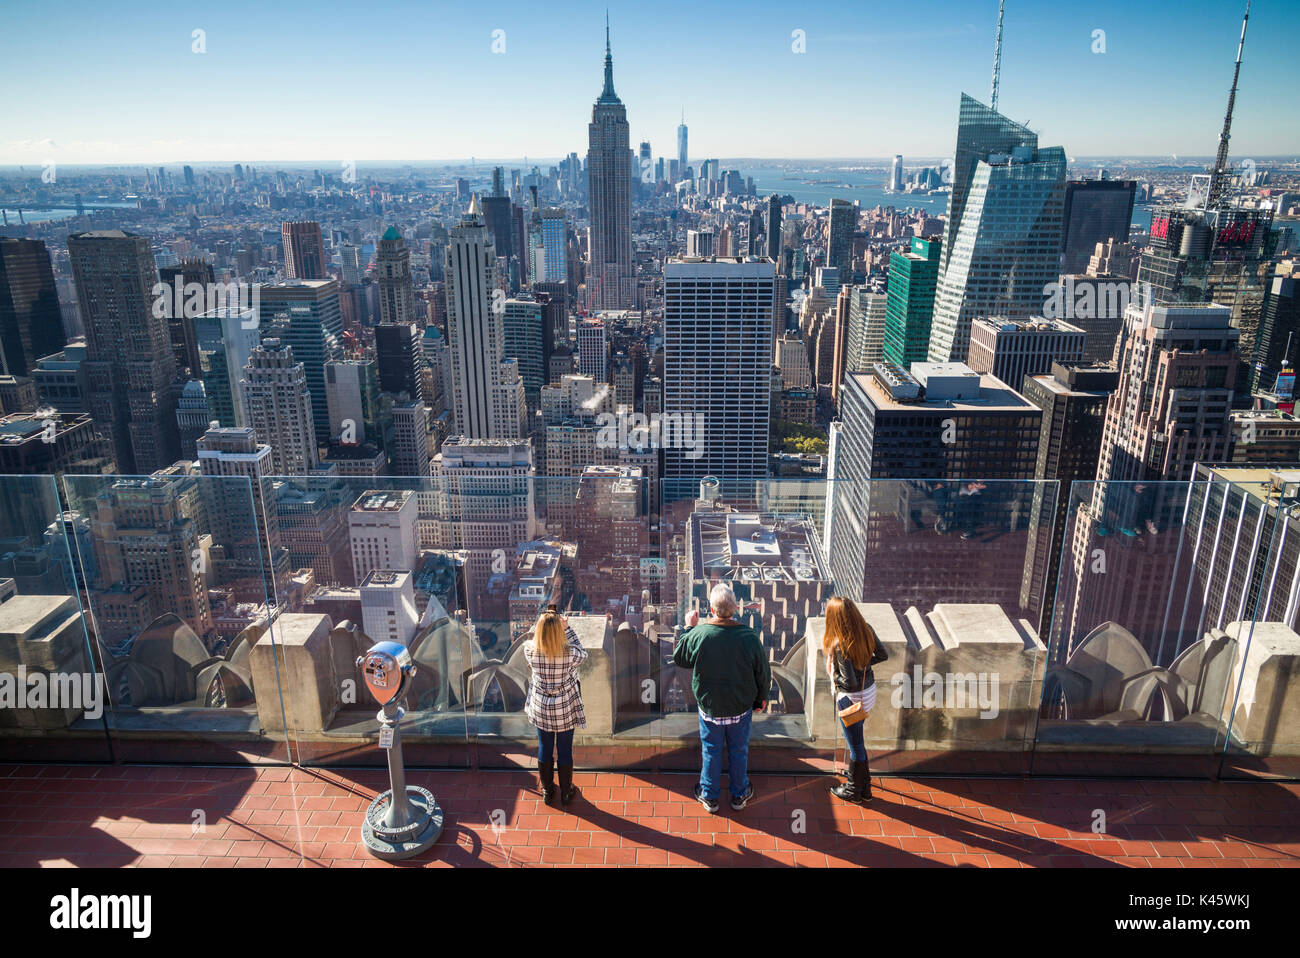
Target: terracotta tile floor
(113,816)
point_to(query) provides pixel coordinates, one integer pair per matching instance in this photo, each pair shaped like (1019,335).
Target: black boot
(857,790)
(568,791)
(546,774)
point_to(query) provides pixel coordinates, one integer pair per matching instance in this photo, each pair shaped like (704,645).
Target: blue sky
(288,80)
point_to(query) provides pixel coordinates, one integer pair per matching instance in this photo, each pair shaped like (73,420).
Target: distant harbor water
(866,188)
(50,214)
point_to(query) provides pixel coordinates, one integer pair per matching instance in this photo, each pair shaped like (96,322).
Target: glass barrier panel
(171,567)
(1140,657)
(1253,576)
(950,575)
(586,545)
(362,560)
(52,686)
(765,540)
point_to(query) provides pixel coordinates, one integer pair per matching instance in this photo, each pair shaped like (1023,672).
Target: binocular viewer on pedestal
(406,819)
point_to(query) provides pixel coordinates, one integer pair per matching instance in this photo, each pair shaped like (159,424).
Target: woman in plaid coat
(554,701)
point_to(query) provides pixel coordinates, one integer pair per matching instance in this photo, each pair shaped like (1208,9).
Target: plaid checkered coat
(554,698)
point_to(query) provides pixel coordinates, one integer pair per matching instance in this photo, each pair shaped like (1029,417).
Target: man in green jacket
(730,678)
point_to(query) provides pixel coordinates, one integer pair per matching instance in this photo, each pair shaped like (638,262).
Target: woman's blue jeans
(853,734)
(555,746)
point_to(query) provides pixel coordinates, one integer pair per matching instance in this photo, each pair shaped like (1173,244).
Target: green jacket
(731,674)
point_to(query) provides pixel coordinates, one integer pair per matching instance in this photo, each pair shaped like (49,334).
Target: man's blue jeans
(736,739)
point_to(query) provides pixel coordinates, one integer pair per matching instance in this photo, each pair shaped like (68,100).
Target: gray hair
(723,601)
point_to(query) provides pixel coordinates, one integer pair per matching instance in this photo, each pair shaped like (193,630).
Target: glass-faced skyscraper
(306,315)
(611,283)
(681,146)
(910,303)
(31,325)
(839,243)
(773,231)
(1002,238)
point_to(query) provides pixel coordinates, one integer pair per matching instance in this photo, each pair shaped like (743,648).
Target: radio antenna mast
(997,57)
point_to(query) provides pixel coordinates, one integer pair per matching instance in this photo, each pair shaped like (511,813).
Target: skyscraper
(192,417)
(1002,238)
(754,240)
(896,174)
(775,249)
(1276,344)
(145,542)
(839,240)
(225,337)
(1171,410)
(1172,407)
(528,341)
(611,282)
(859,333)
(554,251)
(130,367)
(382,530)
(186,274)
(910,301)
(487,392)
(398,349)
(700,242)
(593,350)
(352,399)
(31,325)
(485,494)
(241,516)
(1073,399)
(712,309)
(304,250)
(893,428)
(280,409)
(1096,211)
(396,292)
(1012,349)
(305,314)
(410,450)
(681,146)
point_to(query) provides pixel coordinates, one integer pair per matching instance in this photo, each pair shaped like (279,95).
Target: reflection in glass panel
(1252,571)
(1141,654)
(367,565)
(171,571)
(51,679)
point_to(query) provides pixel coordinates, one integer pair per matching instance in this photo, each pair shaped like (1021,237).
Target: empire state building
(611,281)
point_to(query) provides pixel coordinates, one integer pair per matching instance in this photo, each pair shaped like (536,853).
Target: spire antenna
(608,93)
(1219,175)
(997,58)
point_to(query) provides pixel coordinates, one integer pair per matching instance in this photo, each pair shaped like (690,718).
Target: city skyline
(1166,62)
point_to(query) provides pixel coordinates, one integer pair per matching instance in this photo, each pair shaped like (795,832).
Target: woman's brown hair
(849,631)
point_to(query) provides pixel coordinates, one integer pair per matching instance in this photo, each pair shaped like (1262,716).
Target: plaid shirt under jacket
(554,701)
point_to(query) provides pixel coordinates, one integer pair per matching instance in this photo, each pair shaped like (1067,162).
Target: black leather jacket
(848,678)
